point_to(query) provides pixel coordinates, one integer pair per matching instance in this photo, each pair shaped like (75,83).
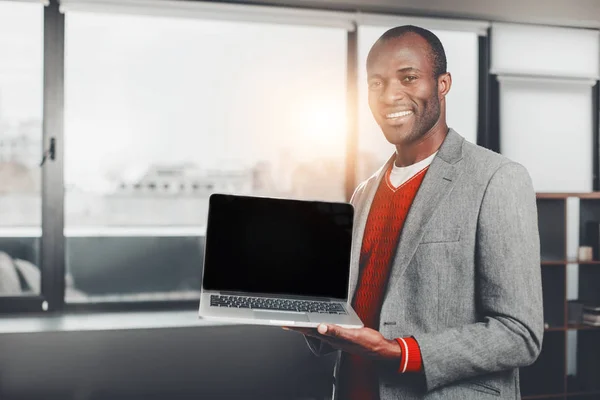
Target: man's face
(404,95)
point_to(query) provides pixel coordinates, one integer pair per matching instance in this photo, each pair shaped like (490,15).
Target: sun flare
(324,124)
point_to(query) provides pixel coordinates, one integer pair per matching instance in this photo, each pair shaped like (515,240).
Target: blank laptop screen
(279,246)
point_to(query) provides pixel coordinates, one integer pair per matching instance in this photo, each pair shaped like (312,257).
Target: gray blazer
(466,278)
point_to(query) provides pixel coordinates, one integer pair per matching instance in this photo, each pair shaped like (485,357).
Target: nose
(392,94)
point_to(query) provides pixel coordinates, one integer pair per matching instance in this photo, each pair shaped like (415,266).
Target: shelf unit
(569,364)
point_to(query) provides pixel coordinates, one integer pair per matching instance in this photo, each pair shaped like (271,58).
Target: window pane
(462,56)
(21,88)
(161,112)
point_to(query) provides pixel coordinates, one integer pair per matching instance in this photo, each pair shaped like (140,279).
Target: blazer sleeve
(508,277)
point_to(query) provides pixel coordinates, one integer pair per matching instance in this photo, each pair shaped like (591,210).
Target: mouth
(398,115)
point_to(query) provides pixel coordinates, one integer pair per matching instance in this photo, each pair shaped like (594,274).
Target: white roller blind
(205,10)
(44,2)
(547,126)
(435,24)
(544,51)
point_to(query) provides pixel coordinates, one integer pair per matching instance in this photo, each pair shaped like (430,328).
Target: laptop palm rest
(274,315)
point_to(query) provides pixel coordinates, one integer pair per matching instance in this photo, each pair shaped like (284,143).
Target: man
(446,259)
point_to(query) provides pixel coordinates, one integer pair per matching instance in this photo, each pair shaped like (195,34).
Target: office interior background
(137,110)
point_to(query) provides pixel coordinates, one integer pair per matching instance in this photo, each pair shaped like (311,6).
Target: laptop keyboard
(261,303)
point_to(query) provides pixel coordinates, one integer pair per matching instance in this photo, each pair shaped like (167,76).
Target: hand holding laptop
(364,342)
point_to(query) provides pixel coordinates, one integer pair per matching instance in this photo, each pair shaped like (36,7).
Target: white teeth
(398,114)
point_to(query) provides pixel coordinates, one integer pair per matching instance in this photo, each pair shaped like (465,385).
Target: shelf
(591,393)
(560,395)
(588,195)
(580,327)
(563,262)
(545,396)
(550,377)
(571,328)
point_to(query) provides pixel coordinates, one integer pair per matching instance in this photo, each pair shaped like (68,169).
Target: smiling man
(446,272)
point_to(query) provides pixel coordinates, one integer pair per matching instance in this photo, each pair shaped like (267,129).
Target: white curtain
(206,10)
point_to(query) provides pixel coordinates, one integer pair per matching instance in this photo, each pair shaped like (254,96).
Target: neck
(420,149)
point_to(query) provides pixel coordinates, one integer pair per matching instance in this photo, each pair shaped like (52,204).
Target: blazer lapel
(437,183)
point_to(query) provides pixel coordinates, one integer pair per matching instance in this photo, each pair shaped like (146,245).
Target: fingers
(304,331)
(332,333)
(337,332)
(322,329)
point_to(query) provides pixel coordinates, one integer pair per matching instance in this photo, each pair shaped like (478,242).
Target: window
(21,89)
(462,55)
(248,108)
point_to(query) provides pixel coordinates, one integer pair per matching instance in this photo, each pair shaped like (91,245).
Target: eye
(375,84)
(410,78)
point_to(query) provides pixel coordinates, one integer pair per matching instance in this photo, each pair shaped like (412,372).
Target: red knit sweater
(384,224)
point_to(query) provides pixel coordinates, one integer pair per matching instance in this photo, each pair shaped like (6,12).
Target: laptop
(274,261)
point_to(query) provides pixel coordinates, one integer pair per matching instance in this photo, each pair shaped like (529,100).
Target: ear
(444,84)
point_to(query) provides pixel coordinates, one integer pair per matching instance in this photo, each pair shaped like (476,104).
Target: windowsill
(103,321)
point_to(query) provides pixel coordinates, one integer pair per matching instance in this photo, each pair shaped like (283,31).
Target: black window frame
(51,257)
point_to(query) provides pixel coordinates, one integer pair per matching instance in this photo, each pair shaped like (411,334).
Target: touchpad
(281,316)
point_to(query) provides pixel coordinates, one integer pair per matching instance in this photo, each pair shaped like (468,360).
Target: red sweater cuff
(411,355)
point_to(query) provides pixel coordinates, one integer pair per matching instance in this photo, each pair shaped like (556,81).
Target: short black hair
(437,53)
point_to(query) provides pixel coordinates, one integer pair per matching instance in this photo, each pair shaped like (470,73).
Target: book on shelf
(591,315)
